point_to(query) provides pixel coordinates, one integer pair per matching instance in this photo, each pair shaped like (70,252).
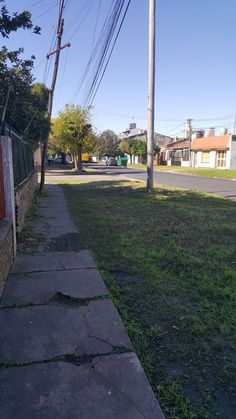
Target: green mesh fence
(23,157)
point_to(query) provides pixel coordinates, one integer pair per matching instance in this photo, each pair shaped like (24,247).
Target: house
(134,134)
(215,152)
(175,153)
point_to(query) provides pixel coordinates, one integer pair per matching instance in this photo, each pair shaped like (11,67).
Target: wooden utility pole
(51,91)
(151,94)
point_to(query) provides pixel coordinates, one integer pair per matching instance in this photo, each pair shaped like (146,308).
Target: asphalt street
(222,187)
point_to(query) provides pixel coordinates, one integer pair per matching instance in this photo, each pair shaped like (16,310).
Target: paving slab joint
(59,299)
(74,359)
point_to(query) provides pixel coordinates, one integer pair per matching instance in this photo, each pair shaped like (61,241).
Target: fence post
(2,193)
(8,179)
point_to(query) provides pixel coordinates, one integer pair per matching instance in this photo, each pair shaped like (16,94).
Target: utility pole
(51,91)
(234,123)
(190,133)
(151,94)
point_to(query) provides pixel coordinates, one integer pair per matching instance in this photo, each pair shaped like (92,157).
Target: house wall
(24,194)
(228,158)
(233,152)
(184,163)
(212,160)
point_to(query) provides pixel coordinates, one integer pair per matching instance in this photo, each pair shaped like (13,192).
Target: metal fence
(2,196)
(23,157)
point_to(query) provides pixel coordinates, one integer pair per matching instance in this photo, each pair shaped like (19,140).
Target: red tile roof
(220,142)
(182,144)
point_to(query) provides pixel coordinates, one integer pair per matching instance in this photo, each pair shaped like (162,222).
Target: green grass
(212,173)
(168,260)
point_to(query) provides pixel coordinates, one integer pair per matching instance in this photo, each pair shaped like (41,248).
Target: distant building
(213,152)
(133,133)
(216,152)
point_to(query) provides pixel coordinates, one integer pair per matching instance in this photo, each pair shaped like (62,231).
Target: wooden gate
(2,196)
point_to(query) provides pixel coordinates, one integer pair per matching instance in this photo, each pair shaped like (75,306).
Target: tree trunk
(75,159)
(63,158)
(80,166)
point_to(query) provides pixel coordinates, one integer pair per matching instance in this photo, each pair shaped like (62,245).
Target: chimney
(211,132)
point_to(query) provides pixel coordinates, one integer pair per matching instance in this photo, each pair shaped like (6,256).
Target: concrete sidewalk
(64,351)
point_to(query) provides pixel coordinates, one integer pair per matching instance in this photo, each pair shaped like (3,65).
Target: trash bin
(123,161)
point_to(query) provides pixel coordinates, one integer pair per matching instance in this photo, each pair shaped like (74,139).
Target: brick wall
(6,250)
(24,194)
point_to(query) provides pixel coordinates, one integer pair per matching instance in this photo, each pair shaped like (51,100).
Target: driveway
(222,187)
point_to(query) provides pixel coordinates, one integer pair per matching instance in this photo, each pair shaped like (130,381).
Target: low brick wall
(23,197)
(6,250)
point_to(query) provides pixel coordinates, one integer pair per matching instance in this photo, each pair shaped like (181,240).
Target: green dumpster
(123,161)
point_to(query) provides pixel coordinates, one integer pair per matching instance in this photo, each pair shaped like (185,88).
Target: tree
(139,148)
(107,144)
(74,131)
(126,147)
(10,24)
(55,142)
(39,124)
(24,100)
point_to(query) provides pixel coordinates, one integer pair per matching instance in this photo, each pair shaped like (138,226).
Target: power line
(95,27)
(89,6)
(104,48)
(109,57)
(63,74)
(94,54)
(46,11)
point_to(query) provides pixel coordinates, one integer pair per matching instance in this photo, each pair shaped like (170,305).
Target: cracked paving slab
(39,288)
(53,261)
(91,391)
(42,333)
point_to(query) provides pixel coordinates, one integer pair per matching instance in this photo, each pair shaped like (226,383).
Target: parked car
(111,161)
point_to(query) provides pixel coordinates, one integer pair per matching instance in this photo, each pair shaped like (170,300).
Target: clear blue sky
(195,63)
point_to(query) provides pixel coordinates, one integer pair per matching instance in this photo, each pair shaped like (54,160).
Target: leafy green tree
(39,124)
(125,147)
(10,23)
(139,148)
(107,144)
(23,98)
(73,131)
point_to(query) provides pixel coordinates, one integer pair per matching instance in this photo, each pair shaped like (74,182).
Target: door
(220,159)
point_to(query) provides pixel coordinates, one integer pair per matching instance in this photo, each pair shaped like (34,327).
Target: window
(205,156)
(221,158)
(186,154)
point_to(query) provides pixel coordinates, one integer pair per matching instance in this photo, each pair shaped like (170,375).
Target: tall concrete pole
(151,94)
(190,133)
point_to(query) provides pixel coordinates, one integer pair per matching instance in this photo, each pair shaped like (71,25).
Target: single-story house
(175,153)
(215,152)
